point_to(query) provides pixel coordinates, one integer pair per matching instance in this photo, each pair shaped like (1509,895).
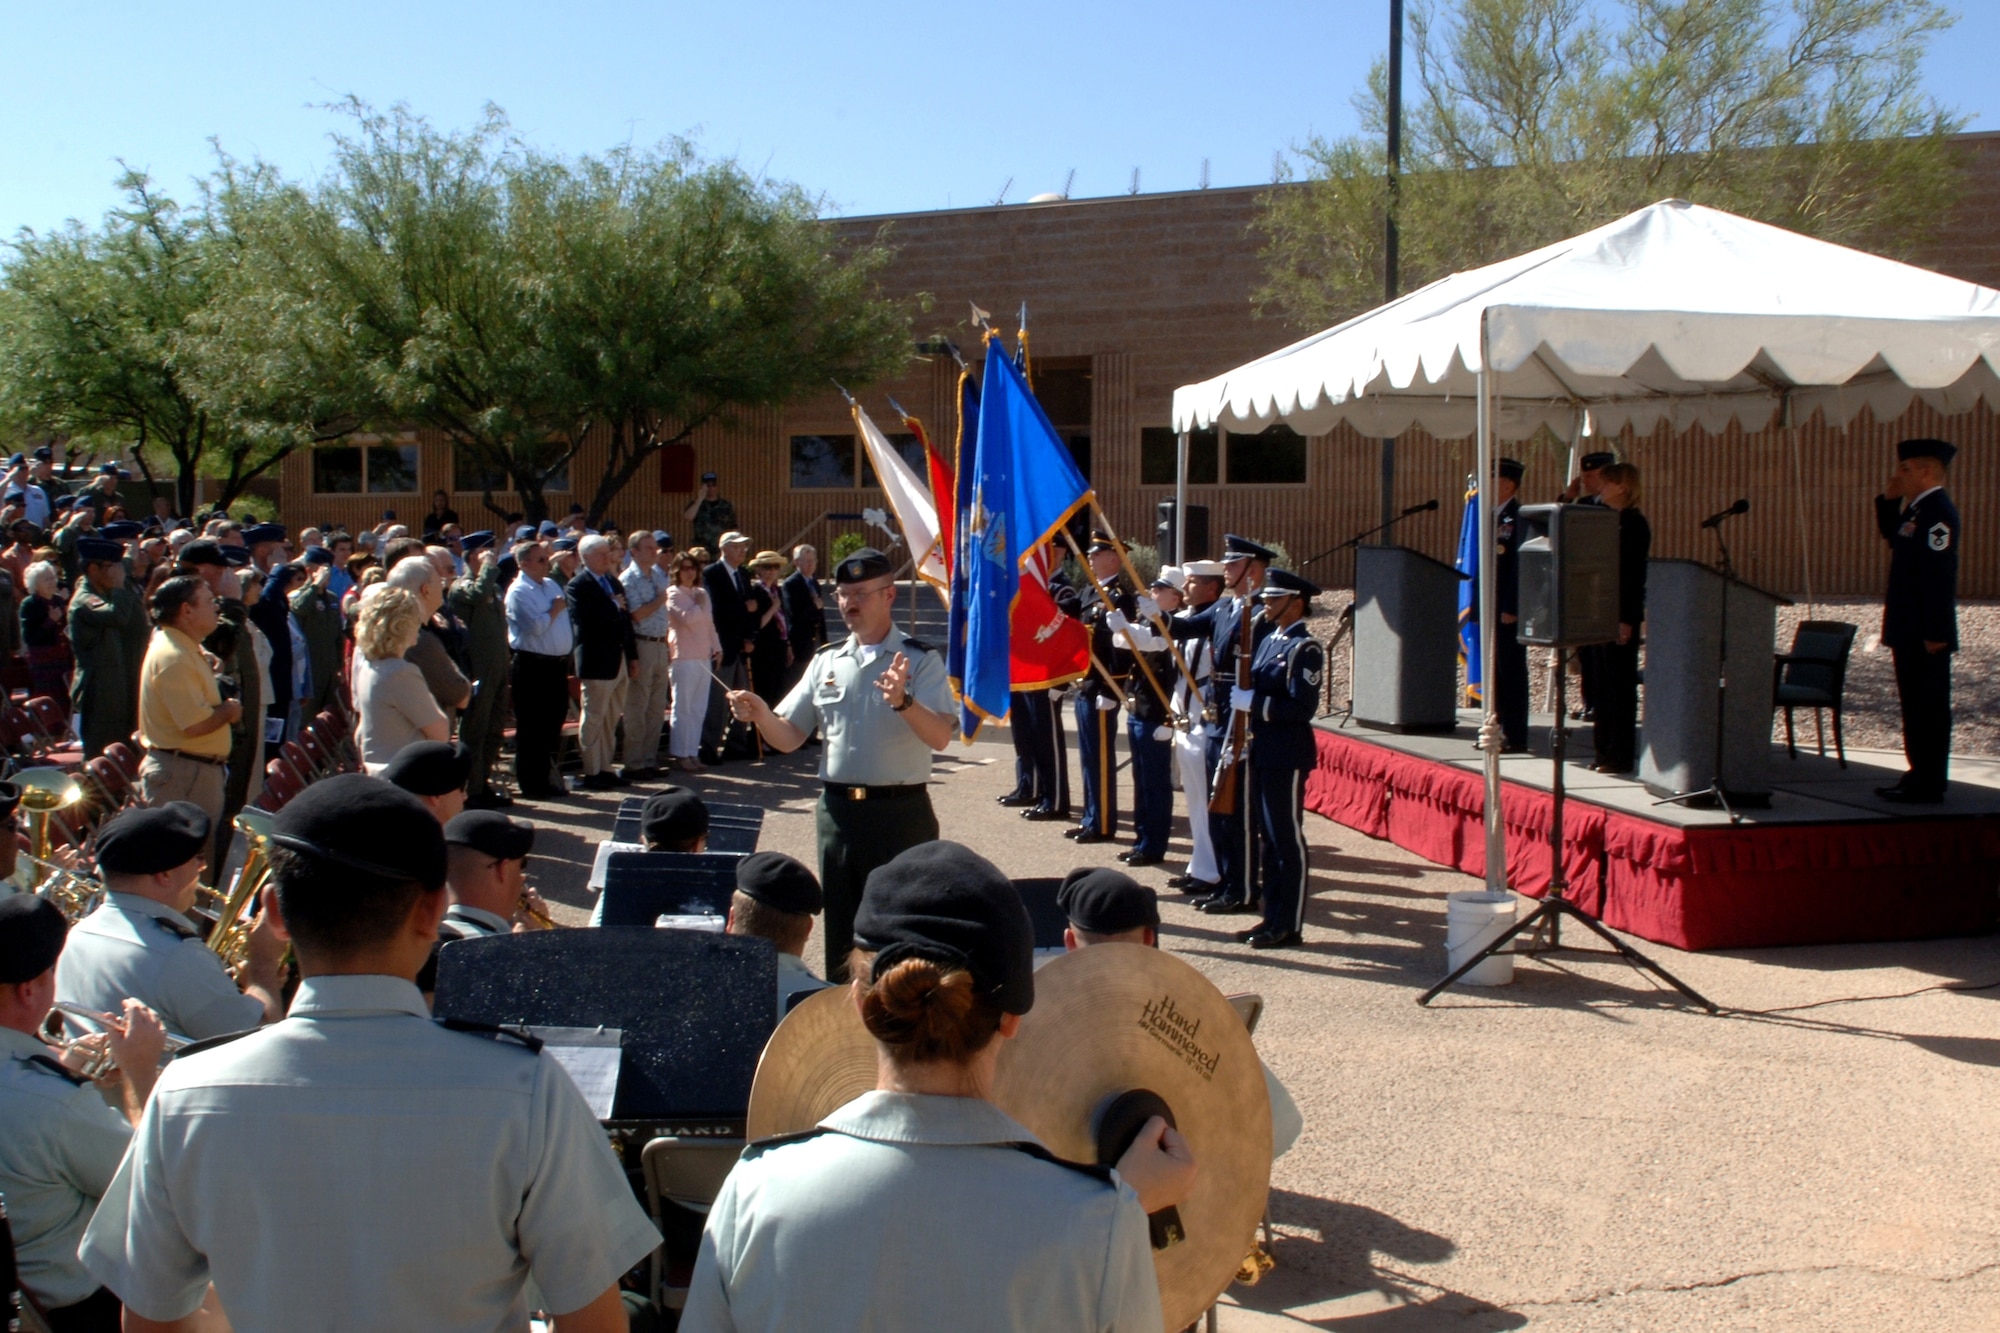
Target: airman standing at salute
(1920,614)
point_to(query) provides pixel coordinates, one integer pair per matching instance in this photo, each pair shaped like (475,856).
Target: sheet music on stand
(591,1057)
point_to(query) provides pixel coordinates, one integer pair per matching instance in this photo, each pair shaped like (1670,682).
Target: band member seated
(63,1141)
(921,1204)
(435,772)
(1108,907)
(140,943)
(674,820)
(427,1173)
(776,899)
(486,861)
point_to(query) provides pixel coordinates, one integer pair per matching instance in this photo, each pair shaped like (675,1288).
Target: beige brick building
(1130,297)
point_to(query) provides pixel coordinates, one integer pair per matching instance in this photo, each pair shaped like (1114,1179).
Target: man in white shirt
(538,631)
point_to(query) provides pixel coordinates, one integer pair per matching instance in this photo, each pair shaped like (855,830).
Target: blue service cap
(123,529)
(1942,450)
(662,538)
(92,550)
(235,556)
(1284,583)
(65,501)
(17,460)
(565,543)
(546,529)
(14,494)
(476,541)
(525,533)
(317,555)
(1242,548)
(258,533)
(45,455)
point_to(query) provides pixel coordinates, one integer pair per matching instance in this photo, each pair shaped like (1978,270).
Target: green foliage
(1281,558)
(1145,559)
(1534,120)
(846,544)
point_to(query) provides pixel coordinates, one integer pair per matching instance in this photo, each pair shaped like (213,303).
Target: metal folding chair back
(684,1174)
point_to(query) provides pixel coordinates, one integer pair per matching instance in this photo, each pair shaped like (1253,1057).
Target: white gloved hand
(1116,620)
(1163,733)
(1241,697)
(1106,704)
(1148,608)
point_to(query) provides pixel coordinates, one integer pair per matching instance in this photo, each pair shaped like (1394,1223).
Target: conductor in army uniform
(1920,614)
(883,703)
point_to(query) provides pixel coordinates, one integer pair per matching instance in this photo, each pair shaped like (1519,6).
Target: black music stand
(641,887)
(695,1006)
(1045,914)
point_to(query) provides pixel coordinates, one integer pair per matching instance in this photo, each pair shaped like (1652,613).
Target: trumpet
(96,1061)
(526,907)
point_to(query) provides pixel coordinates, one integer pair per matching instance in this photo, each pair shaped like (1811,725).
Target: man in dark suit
(734,599)
(1920,614)
(805,610)
(607,657)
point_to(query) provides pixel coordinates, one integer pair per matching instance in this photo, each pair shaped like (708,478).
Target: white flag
(910,498)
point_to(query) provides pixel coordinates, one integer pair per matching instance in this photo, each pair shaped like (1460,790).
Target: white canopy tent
(1675,313)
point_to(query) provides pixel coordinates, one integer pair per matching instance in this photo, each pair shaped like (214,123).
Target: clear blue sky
(880,107)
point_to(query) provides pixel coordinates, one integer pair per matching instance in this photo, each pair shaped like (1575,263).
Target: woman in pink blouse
(695,650)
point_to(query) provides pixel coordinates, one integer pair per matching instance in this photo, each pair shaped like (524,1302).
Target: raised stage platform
(1827,862)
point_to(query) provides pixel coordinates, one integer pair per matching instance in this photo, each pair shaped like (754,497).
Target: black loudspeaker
(1197,534)
(1568,574)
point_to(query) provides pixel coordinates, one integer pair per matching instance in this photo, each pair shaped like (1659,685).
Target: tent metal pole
(1490,738)
(1180,500)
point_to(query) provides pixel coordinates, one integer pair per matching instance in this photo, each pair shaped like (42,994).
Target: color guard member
(139,942)
(1203,586)
(1920,614)
(921,1204)
(1283,695)
(427,1173)
(1509,671)
(1149,729)
(1098,694)
(883,704)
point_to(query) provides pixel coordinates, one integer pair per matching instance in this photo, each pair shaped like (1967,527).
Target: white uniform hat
(1205,569)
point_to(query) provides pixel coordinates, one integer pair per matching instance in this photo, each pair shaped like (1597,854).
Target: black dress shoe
(1127,855)
(1138,859)
(1289,939)
(1245,936)
(1085,837)
(1039,815)
(1073,832)
(1220,906)
(1014,799)
(1199,889)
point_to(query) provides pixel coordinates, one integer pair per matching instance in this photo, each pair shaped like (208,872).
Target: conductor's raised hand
(1159,1166)
(748,706)
(894,682)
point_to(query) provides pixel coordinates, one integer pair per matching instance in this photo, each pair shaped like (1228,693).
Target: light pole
(1391,240)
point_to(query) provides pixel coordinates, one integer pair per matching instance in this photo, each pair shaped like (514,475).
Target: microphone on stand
(1423,508)
(1716,520)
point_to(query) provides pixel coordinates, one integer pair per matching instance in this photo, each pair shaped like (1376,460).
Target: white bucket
(1472,921)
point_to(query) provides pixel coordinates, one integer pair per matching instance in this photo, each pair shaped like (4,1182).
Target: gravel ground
(1873,718)
(1573,1153)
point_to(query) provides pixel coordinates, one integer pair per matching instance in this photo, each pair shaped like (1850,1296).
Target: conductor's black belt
(842,791)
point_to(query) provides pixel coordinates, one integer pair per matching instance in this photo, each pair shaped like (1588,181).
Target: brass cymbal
(1117,1017)
(819,1059)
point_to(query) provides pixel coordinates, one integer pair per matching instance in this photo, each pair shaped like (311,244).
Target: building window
(908,448)
(373,468)
(469,472)
(1275,456)
(1159,448)
(822,462)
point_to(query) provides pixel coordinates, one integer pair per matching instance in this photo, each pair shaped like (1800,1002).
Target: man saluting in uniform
(1285,675)
(1920,614)
(883,704)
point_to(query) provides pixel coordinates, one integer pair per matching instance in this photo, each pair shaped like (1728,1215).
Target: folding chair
(317,754)
(106,784)
(280,786)
(23,738)
(683,1176)
(51,721)
(123,755)
(295,756)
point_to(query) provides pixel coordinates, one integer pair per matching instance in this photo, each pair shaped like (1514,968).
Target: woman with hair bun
(922,1205)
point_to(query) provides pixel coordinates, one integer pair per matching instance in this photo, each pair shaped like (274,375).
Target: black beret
(110,470)
(429,768)
(1594,462)
(202,551)
(944,902)
(31,937)
(10,796)
(863,565)
(776,880)
(474,541)
(45,454)
(122,529)
(1512,469)
(1284,583)
(1941,450)
(673,816)
(148,840)
(1242,548)
(491,832)
(1107,902)
(365,825)
(95,550)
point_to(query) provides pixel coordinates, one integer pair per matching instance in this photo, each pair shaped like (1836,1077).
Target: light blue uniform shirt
(134,948)
(58,1151)
(530,627)
(358,1166)
(866,743)
(915,1213)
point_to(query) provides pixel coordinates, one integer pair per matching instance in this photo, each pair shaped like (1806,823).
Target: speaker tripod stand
(1549,914)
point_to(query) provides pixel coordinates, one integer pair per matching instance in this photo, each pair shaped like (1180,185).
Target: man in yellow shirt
(183,718)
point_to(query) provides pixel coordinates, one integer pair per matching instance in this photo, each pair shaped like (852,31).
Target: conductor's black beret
(491,832)
(31,937)
(1107,902)
(1512,469)
(96,550)
(865,564)
(676,815)
(944,902)
(148,840)
(1242,548)
(430,768)
(776,880)
(365,825)
(1942,450)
